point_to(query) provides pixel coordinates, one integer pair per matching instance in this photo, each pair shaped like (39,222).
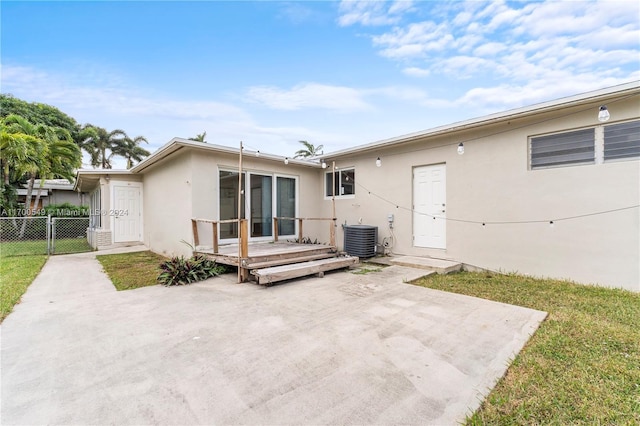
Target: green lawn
(32,247)
(16,273)
(132,270)
(583,364)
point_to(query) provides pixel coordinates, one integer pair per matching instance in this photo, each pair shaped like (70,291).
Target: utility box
(360,240)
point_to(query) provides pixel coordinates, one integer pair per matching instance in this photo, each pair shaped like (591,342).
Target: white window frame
(604,142)
(599,147)
(559,135)
(339,182)
(247,199)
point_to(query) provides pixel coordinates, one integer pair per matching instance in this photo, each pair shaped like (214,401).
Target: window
(267,195)
(622,140)
(95,214)
(345,183)
(577,147)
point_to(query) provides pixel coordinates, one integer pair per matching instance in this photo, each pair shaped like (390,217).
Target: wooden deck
(267,253)
(265,256)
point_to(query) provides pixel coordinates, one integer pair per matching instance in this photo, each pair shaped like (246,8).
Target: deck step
(296,270)
(439,265)
(289,260)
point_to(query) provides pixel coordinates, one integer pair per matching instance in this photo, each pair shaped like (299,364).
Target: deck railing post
(194,226)
(275,229)
(300,231)
(332,232)
(215,237)
(244,248)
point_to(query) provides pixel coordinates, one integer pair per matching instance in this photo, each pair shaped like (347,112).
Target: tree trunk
(38,194)
(28,203)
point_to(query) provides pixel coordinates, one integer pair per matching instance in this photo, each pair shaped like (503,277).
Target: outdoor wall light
(603,114)
(257,153)
(378,162)
(286,160)
(324,164)
(460,148)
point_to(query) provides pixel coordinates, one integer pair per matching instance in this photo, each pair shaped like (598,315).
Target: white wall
(492,182)
(168,205)
(185,185)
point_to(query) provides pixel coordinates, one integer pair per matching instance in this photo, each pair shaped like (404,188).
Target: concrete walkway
(343,349)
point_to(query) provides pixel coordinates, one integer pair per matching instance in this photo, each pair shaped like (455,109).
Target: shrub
(182,271)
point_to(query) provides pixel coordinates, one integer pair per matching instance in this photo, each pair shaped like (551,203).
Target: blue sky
(338,74)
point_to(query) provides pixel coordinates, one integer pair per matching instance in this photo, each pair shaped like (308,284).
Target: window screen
(622,140)
(563,149)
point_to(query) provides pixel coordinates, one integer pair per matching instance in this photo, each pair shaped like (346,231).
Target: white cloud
(514,53)
(417,72)
(372,13)
(309,95)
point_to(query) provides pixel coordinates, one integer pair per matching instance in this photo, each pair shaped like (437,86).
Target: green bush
(182,271)
(66,210)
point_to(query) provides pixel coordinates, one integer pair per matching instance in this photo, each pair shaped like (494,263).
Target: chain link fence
(21,236)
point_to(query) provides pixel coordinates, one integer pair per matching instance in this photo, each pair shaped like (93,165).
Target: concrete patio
(343,349)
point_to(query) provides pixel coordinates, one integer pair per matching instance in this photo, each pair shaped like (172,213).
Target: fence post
(48,235)
(53,236)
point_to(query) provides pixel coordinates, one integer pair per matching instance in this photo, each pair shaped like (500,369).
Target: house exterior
(547,190)
(557,190)
(54,191)
(154,202)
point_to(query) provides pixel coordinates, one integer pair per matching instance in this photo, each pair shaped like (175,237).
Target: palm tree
(131,150)
(30,157)
(200,137)
(309,150)
(100,144)
(20,154)
(62,159)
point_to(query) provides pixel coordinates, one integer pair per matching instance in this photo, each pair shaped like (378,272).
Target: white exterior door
(126,213)
(429,206)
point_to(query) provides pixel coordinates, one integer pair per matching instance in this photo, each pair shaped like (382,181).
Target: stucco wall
(167,205)
(58,196)
(492,182)
(205,187)
(185,185)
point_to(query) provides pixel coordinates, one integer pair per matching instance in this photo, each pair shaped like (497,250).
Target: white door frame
(112,212)
(434,212)
(274,199)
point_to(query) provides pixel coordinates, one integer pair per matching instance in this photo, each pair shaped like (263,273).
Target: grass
(16,273)
(583,364)
(33,247)
(132,270)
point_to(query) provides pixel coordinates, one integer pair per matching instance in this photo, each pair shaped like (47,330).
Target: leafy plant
(183,271)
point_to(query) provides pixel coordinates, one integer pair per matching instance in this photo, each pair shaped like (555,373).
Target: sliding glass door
(286,205)
(268,196)
(228,193)
(261,201)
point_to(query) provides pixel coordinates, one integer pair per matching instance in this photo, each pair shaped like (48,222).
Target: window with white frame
(622,140)
(563,149)
(94,210)
(342,183)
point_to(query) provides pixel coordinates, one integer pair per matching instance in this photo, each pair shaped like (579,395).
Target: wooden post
(215,237)
(244,249)
(240,274)
(300,231)
(332,231)
(275,229)
(194,226)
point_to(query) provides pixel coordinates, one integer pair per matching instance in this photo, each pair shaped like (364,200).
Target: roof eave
(584,98)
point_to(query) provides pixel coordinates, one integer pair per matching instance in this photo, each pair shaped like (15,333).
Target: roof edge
(176,144)
(498,117)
